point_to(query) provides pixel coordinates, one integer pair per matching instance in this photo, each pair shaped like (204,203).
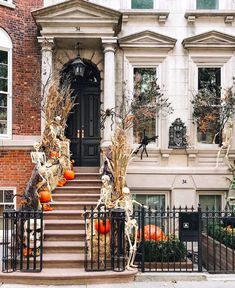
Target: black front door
(83,127)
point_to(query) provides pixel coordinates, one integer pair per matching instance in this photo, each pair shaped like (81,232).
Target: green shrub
(221,234)
(172,250)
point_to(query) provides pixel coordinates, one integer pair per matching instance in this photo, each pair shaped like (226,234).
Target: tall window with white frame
(207,4)
(6,201)
(209,85)
(5,84)
(142,4)
(143,81)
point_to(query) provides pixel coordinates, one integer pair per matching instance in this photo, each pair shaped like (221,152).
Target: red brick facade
(20,26)
(15,169)
(15,165)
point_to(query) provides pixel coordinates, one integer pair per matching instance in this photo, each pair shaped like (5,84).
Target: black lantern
(78,65)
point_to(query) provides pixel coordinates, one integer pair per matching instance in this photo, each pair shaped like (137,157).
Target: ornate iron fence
(22,241)
(177,239)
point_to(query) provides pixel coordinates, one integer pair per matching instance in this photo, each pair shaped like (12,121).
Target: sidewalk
(149,280)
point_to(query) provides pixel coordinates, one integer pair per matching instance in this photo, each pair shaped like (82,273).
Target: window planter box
(216,257)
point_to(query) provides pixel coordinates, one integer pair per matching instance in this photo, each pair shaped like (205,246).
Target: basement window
(7,201)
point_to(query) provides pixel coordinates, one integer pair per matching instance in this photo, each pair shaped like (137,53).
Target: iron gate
(22,241)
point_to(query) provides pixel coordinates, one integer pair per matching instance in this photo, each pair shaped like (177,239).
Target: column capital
(47,43)
(109,44)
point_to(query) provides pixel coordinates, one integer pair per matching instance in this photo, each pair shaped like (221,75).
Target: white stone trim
(19,141)
(8,4)
(6,45)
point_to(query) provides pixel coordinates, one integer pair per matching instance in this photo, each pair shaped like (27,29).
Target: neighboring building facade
(120,42)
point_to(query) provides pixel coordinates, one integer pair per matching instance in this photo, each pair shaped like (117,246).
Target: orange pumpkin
(54,154)
(152,232)
(61,182)
(69,174)
(45,196)
(102,226)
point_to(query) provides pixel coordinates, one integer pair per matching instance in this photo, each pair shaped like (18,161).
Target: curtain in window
(207,4)
(142,4)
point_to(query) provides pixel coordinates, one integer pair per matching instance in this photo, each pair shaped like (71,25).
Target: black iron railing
(104,246)
(177,239)
(22,241)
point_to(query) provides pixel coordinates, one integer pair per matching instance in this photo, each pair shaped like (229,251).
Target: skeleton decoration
(105,194)
(226,140)
(131,225)
(32,237)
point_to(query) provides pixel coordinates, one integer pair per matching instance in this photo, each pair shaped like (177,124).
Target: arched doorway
(83,125)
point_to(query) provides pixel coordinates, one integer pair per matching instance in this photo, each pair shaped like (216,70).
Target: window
(207,4)
(210,201)
(5,84)
(144,78)
(142,4)
(209,86)
(6,201)
(156,201)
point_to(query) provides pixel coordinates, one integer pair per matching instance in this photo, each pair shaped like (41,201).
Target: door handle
(83,133)
(78,133)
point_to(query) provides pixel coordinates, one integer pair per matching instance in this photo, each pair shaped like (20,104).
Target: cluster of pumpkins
(45,195)
(151,232)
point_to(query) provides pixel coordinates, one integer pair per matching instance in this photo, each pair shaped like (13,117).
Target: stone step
(83,182)
(64,214)
(63,246)
(63,260)
(64,235)
(87,176)
(64,224)
(76,190)
(67,276)
(72,205)
(86,169)
(75,197)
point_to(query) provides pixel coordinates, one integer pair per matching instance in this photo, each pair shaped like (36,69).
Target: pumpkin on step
(69,174)
(61,182)
(45,196)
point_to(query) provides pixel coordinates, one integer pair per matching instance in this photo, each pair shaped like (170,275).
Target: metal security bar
(169,239)
(22,241)
(218,240)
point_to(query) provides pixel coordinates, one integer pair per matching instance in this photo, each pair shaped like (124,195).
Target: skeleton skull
(32,232)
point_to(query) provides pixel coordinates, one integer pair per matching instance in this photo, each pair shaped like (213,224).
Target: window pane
(3,127)
(157,201)
(3,85)
(143,77)
(3,100)
(210,201)
(207,4)
(3,57)
(3,70)
(209,85)
(3,113)
(142,4)
(8,196)
(1,196)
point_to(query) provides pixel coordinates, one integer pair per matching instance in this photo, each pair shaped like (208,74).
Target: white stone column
(109,45)
(47,45)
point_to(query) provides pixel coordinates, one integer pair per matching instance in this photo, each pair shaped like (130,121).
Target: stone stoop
(64,237)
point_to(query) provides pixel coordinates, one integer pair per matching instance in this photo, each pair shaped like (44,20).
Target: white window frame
(2,204)
(126,4)
(157,124)
(223,4)
(154,193)
(6,45)
(130,64)
(197,61)
(222,193)
(8,3)
(196,89)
